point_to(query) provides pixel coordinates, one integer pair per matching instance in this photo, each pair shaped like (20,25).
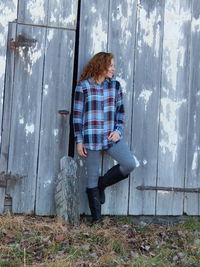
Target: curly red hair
(97,65)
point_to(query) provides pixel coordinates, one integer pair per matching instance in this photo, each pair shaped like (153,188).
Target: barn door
(35,134)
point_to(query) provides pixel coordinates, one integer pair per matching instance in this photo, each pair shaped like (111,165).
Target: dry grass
(117,241)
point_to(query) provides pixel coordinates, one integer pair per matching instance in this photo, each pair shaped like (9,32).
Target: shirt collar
(92,81)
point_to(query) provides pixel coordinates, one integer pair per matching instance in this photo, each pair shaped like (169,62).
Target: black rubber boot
(113,176)
(94,203)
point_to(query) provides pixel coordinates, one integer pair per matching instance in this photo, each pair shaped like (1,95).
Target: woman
(98,118)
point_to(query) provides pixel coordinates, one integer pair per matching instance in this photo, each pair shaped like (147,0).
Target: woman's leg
(122,154)
(92,166)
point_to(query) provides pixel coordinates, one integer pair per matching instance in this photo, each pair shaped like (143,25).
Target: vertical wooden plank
(62,13)
(146,104)
(122,21)
(92,39)
(8,12)
(192,201)
(54,132)
(173,106)
(24,134)
(33,11)
(5,133)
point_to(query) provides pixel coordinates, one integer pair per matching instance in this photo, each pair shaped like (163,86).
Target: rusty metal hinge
(21,41)
(4,177)
(173,189)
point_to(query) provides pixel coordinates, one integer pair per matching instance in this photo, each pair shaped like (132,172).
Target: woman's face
(111,69)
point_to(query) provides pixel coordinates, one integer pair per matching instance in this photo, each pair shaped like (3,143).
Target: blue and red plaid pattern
(98,111)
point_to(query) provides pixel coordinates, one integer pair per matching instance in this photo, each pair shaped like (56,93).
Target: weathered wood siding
(156,48)
(155,45)
(192,176)
(8,12)
(146,103)
(173,105)
(38,85)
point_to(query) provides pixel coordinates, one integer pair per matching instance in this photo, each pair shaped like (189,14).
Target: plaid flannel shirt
(98,110)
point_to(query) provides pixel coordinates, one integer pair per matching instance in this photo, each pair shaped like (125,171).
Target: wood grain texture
(8,12)
(192,177)
(121,41)
(62,13)
(146,104)
(25,121)
(173,105)
(5,132)
(54,130)
(92,39)
(33,11)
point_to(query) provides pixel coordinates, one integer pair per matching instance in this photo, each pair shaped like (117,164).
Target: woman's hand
(114,136)
(82,151)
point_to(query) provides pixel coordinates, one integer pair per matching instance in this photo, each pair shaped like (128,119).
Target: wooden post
(67,193)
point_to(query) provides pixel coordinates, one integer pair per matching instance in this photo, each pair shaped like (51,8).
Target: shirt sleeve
(78,113)
(119,118)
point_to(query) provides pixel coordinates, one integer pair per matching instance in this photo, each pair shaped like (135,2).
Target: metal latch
(21,41)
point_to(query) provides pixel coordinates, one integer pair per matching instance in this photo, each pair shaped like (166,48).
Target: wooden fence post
(67,192)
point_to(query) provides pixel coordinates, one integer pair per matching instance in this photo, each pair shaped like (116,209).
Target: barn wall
(157,63)
(8,12)
(156,47)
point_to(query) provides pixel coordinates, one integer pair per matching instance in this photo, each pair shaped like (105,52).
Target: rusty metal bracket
(4,177)
(63,112)
(172,189)
(21,41)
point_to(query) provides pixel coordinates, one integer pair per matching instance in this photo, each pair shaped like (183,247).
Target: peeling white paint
(145,96)
(33,55)
(169,125)
(50,35)
(144,162)
(2,39)
(7,14)
(36,10)
(30,128)
(21,120)
(47,183)
(136,161)
(2,66)
(174,42)
(70,20)
(98,36)
(55,132)
(46,86)
(124,19)
(122,83)
(150,29)
(93,9)
(52,18)
(196,25)
(195,161)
